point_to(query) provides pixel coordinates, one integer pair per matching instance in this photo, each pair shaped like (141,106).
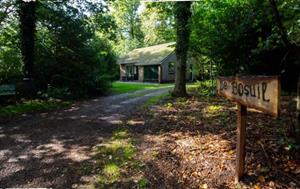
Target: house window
(171,68)
(129,70)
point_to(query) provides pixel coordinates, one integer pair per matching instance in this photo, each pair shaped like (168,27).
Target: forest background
(78,42)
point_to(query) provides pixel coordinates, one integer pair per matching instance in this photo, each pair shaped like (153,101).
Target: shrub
(58,93)
(204,88)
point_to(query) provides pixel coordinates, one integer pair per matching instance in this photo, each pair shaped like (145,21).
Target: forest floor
(191,142)
(123,141)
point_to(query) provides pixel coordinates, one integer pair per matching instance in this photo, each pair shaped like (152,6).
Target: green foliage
(57,93)
(228,31)
(158,23)
(10,55)
(129,35)
(242,37)
(141,24)
(143,183)
(77,42)
(203,88)
(73,55)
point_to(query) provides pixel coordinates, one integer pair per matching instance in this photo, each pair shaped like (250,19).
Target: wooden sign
(258,92)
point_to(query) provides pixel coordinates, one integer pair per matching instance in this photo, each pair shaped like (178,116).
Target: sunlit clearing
(212,109)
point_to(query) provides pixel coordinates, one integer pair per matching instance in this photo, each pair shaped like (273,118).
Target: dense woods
(71,55)
(67,122)
(76,43)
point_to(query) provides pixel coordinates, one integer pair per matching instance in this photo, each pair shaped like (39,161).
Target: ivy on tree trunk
(182,14)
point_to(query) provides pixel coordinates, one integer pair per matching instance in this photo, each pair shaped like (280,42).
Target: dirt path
(47,150)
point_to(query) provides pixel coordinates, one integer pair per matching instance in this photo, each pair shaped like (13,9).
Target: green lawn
(120,87)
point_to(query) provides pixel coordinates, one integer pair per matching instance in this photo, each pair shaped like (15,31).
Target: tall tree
(293,49)
(126,14)
(279,23)
(27,18)
(182,14)
(158,23)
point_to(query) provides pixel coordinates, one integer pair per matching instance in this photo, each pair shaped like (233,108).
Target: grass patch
(115,158)
(32,106)
(120,87)
(156,99)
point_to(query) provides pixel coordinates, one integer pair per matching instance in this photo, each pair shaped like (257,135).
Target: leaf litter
(190,143)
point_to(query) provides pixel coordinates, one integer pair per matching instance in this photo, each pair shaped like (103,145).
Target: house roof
(153,55)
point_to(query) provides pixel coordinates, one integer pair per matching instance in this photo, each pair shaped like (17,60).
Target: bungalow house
(150,64)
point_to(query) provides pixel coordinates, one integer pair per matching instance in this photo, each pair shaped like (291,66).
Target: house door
(151,73)
(129,72)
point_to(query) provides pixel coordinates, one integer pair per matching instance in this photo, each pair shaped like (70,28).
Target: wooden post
(241,137)
(266,98)
(298,112)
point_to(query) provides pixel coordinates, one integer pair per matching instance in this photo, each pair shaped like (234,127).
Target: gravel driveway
(47,149)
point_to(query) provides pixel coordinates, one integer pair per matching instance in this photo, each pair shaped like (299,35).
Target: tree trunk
(183,14)
(27,36)
(298,112)
(293,49)
(279,24)
(27,26)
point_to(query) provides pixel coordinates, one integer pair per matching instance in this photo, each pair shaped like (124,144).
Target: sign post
(258,92)
(241,137)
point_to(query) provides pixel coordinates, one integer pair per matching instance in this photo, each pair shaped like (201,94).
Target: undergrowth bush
(203,88)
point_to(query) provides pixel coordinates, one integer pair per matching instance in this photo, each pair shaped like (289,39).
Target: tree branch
(279,23)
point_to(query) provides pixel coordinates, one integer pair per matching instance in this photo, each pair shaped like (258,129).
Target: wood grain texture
(258,92)
(241,139)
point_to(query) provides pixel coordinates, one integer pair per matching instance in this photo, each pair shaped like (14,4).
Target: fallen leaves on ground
(190,143)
